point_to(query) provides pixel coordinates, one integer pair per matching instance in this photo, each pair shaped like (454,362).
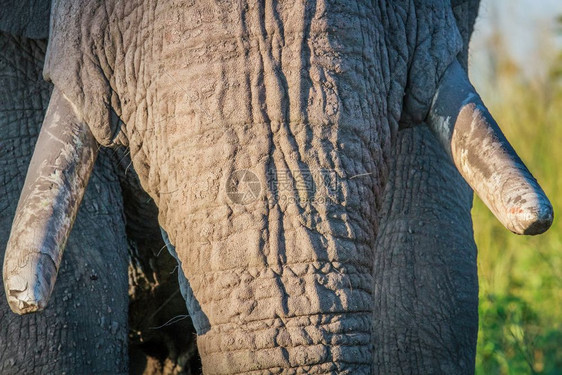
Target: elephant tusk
(485,158)
(60,167)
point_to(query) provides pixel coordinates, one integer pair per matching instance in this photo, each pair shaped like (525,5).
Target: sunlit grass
(521,277)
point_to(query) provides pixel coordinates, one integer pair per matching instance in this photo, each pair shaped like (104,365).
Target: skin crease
(426,285)
(85,328)
(270,284)
(458,264)
(83,314)
(426,256)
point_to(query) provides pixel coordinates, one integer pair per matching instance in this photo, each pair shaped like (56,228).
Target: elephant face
(263,133)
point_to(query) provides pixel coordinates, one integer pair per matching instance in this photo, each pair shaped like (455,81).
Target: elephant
(303,158)
(87,329)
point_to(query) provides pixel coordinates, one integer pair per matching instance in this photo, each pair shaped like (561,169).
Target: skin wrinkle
(388,235)
(350,341)
(401,215)
(275,228)
(28,19)
(41,343)
(327,114)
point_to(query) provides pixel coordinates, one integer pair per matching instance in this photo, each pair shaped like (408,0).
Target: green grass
(520,329)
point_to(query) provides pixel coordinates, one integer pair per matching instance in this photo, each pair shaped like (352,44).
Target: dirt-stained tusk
(56,180)
(485,158)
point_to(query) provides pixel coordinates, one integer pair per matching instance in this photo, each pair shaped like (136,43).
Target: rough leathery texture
(26,18)
(434,48)
(465,12)
(274,285)
(282,90)
(84,330)
(417,247)
(426,286)
(157,311)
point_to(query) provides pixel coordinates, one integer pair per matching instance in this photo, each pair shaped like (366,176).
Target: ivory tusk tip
(23,300)
(21,304)
(29,288)
(540,222)
(532,221)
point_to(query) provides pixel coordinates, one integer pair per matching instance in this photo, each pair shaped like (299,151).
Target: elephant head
(263,132)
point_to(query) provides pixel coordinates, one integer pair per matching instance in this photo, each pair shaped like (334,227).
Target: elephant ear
(27,18)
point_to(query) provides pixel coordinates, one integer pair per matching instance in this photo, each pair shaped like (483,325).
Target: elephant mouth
(53,190)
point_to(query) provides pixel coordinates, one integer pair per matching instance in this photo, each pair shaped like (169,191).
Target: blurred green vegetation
(520,329)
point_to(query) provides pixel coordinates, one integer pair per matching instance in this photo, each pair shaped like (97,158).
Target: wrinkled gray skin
(86,314)
(425,271)
(421,270)
(86,329)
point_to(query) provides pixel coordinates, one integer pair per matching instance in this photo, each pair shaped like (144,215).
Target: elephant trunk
(58,174)
(485,158)
(271,287)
